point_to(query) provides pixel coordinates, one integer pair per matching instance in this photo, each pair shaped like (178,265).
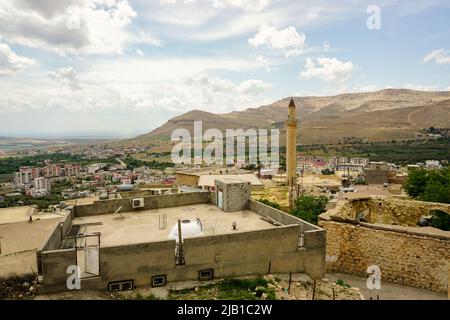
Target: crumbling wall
(390,211)
(150,202)
(404,257)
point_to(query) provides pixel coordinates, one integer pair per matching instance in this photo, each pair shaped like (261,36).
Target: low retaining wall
(406,258)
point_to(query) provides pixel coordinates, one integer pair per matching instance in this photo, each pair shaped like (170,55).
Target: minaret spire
(291,150)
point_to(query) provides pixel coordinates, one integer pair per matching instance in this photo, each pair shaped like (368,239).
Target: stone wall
(390,211)
(186,179)
(406,258)
(376,176)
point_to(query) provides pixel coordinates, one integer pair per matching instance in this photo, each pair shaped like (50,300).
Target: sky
(119,68)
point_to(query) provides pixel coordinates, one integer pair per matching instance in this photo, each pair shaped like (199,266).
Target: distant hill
(383,115)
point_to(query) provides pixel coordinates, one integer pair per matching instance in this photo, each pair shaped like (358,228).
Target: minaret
(291,150)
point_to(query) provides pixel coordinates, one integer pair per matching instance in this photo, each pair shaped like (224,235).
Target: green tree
(441,220)
(433,186)
(416,183)
(309,207)
(272,204)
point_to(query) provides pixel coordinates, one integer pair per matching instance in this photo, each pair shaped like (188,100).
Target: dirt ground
(353,288)
(389,291)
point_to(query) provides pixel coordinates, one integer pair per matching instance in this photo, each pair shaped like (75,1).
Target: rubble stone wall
(404,257)
(391,211)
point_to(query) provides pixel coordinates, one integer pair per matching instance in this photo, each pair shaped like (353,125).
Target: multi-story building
(42,184)
(71,170)
(52,170)
(23,177)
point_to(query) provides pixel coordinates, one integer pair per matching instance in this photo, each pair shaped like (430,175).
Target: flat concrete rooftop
(143,226)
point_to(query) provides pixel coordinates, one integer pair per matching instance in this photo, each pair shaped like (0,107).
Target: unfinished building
(125,243)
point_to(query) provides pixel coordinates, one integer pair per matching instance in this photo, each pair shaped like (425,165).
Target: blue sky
(118,68)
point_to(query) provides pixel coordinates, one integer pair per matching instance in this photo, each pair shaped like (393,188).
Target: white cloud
(65,89)
(253,87)
(288,40)
(248,5)
(140,53)
(328,69)
(440,56)
(420,87)
(69,26)
(66,77)
(224,94)
(10,62)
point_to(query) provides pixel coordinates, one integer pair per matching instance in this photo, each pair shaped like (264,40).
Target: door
(92,258)
(88,255)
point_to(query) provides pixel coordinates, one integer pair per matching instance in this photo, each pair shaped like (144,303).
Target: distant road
(121,162)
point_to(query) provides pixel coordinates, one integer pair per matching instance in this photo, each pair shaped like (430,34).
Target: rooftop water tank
(125,187)
(189,229)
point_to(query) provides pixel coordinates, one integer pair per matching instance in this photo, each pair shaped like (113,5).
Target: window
(205,275)
(117,286)
(159,281)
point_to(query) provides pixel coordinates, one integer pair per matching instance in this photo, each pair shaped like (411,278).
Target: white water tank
(189,228)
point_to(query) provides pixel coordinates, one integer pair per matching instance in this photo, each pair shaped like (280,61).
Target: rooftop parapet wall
(242,253)
(151,202)
(280,216)
(55,238)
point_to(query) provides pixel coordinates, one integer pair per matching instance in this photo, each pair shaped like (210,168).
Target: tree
(416,183)
(440,220)
(433,186)
(309,207)
(272,204)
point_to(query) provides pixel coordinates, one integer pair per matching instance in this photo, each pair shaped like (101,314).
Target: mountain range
(385,115)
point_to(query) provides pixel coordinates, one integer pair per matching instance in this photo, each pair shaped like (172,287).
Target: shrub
(309,207)
(440,220)
(272,204)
